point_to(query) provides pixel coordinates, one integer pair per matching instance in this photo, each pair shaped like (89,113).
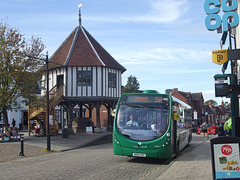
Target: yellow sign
(219,56)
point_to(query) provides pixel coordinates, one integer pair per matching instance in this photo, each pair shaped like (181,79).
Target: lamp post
(48,134)
(47,94)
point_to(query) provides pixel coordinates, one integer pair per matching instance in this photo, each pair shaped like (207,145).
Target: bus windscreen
(142,117)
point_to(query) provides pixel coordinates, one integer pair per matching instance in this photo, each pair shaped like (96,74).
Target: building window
(112,80)
(84,78)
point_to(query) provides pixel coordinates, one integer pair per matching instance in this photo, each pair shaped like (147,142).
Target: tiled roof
(197,96)
(187,95)
(81,49)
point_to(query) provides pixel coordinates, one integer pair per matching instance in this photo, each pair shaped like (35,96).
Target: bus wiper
(127,136)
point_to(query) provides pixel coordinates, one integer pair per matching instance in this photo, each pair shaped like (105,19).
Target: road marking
(151,172)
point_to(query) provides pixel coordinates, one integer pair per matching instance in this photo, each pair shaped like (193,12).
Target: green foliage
(132,85)
(19,74)
(212,102)
(226,104)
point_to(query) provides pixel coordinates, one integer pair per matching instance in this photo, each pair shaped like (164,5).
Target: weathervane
(79,6)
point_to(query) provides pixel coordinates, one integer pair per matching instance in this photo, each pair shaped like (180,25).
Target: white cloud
(163,56)
(159,12)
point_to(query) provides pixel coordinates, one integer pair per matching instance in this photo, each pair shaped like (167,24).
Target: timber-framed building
(82,75)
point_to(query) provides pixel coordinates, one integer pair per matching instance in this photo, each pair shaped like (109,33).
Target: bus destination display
(147,99)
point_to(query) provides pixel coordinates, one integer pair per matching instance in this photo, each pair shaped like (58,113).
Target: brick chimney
(175,90)
(210,104)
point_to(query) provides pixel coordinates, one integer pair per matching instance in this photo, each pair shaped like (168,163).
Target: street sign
(234,54)
(221,85)
(220,56)
(235,89)
(195,115)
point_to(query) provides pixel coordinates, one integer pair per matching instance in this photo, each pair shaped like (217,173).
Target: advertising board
(226,158)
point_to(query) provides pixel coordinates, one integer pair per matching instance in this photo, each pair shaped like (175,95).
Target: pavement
(74,141)
(36,146)
(194,163)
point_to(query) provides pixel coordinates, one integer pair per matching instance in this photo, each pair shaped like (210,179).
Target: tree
(226,104)
(132,85)
(212,102)
(19,74)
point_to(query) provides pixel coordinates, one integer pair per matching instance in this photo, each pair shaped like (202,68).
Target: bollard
(21,153)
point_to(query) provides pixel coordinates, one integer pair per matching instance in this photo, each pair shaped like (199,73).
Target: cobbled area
(10,151)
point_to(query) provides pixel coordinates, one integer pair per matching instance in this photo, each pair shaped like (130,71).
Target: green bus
(151,125)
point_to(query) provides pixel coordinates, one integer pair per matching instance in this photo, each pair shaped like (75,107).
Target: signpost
(213,16)
(221,85)
(224,55)
(220,56)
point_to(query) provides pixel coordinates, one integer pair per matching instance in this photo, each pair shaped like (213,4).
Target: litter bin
(65,133)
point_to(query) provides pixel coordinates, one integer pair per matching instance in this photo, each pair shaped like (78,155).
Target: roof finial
(80,21)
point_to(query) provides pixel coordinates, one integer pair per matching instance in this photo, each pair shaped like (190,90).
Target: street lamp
(48,133)
(47,93)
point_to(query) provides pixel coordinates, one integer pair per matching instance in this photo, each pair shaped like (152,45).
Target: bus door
(174,133)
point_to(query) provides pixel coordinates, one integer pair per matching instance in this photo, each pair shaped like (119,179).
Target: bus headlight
(115,139)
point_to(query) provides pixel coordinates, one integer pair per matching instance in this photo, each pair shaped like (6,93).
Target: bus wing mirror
(176,116)
(113,112)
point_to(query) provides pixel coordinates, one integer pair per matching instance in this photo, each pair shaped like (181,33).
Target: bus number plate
(139,155)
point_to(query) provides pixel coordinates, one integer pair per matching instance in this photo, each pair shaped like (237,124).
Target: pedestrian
(14,133)
(222,132)
(204,128)
(228,126)
(6,133)
(13,122)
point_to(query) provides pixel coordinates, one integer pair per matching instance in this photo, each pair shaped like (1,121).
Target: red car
(212,129)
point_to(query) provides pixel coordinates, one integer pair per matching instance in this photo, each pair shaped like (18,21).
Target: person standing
(14,133)
(204,128)
(222,132)
(13,122)
(228,126)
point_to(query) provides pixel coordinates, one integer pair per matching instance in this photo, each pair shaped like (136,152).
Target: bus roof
(181,102)
(150,91)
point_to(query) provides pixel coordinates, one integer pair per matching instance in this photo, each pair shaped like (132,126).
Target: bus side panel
(183,139)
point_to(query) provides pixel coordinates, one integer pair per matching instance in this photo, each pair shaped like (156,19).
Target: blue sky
(165,44)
